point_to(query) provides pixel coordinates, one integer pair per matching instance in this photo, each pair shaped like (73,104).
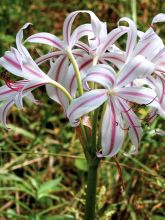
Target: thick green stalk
(91,192)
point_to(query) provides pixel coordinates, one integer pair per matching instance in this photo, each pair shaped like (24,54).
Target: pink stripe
(114,58)
(113,134)
(129,73)
(33,72)
(34,86)
(3,113)
(6,92)
(160,70)
(102,74)
(129,44)
(130,119)
(139,94)
(111,39)
(85,102)
(142,49)
(16,65)
(67,29)
(57,78)
(83,46)
(46,38)
(43,59)
(148,37)
(87,30)
(74,76)
(77,54)
(161,63)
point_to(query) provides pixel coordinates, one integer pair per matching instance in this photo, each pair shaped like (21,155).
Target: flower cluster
(93,75)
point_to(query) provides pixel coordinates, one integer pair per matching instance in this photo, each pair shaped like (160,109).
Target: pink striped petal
(6,93)
(79,32)
(138,67)
(159,18)
(10,63)
(132,36)
(132,123)
(88,102)
(58,73)
(111,38)
(159,61)
(112,133)
(83,46)
(30,69)
(142,96)
(102,74)
(149,45)
(95,22)
(159,84)
(46,38)
(48,56)
(117,59)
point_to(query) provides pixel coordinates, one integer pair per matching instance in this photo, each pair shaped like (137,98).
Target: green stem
(59,86)
(134,13)
(91,192)
(94,130)
(77,72)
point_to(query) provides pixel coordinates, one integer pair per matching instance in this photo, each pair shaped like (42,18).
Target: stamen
(5,77)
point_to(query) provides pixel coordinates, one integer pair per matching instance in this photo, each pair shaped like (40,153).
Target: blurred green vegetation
(42,168)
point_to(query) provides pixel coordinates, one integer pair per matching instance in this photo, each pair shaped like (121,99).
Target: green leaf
(59,217)
(81,164)
(48,187)
(158,217)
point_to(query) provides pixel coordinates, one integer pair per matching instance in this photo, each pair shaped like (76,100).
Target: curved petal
(46,38)
(142,96)
(95,22)
(138,67)
(6,93)
(159,18)
(117,59)
(132,35)
(110,39)
(48,56)
(112,135)
(58,72)
(102,74)
(159,61)
(10,63)
(30,69)
(82,30)
(159,84)
(3,111)
(132,122)
(83,46)
(88,102)
(30,96)
(21,66)
(19,44)
(149,45)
